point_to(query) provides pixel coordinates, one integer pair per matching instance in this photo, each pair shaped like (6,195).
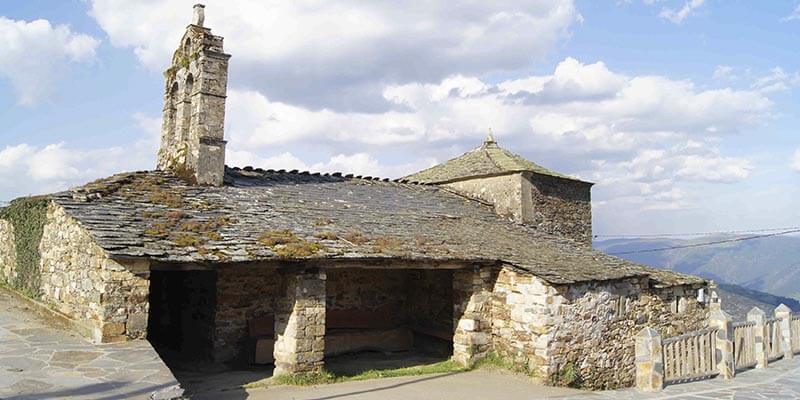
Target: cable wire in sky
(709,233)
(704,244)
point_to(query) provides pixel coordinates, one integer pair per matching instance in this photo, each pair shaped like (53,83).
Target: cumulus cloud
(340,55)
(641,138)
(33,55)
(678,15)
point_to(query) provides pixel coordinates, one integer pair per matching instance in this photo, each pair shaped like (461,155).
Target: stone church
(487,253)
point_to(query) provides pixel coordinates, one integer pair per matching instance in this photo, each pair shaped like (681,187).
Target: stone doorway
(182,311)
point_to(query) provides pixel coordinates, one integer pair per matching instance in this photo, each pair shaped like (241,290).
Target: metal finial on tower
(490,138)
(199,15)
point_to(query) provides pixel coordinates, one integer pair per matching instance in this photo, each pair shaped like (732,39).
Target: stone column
(725,360)
(300,328)
(761,332)
(714,302)
(784,316)
(649,360)
(472,294)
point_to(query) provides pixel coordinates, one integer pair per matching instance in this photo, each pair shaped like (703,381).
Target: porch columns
(300,328)
(472,293)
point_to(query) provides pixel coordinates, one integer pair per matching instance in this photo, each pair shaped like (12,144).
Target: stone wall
(244,293)
(584,334)
(430,300)
(101,295)
(506,192)
(368,290)
(8,252)
(561,207)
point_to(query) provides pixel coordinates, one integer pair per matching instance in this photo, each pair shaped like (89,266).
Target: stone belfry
(192,132)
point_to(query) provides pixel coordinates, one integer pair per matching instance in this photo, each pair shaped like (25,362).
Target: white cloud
(796,160)
(795,15)
(677,16)
(340,55)
(724,72)
(34,54)
(776,80)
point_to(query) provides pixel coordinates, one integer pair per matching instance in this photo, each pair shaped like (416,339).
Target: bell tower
(193,123)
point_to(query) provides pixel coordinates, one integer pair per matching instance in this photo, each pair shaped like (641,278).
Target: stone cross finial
(199,15)
(490,138)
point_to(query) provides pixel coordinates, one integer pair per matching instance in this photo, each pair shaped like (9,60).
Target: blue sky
(683,112)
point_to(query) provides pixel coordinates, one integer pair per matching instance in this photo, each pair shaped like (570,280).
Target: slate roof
(156,215)
(487,160)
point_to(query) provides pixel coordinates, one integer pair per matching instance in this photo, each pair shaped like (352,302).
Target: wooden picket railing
(690,356)
(774,339)
(744,344)
(723,349)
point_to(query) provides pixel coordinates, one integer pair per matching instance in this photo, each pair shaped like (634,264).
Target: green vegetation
(27,216)
(288,245)
(325,377)
(569,375)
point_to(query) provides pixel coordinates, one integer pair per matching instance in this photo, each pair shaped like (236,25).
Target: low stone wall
(583,334)
(244,293)
(8,252)
(79,279)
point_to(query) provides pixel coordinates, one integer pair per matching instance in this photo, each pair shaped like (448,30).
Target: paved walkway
(38,361)
(780,381)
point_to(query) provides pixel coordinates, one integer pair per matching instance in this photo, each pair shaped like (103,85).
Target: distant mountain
(763,269)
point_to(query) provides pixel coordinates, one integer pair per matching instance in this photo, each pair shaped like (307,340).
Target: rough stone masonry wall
(99,294)
(430,300)
(368,290)
(506,192)
(561,207)
(244,293)
(583,334)
(8,252)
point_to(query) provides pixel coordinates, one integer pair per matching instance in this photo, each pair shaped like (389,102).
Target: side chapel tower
(192,131)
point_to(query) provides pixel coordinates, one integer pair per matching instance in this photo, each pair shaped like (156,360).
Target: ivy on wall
(28,216)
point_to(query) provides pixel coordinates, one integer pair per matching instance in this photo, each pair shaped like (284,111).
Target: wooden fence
(723,349)
(773,339)
(690,356)
(744,344)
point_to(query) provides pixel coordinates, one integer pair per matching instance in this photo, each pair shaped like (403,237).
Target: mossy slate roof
(158,216)
(487,160)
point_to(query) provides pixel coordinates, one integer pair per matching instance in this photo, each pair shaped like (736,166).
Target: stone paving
(40,361)
(780,381)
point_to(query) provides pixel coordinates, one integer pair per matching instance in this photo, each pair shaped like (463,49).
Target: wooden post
(724,352)
(758,316)
(649,361)
(784,316)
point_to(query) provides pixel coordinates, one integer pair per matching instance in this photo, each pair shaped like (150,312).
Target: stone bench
(349,331)
(262,336)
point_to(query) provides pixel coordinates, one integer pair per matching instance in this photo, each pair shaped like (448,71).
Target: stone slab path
(40,361)
(780,381)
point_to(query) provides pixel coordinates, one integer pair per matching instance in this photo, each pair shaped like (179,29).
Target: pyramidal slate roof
(257,215)
(487,160)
